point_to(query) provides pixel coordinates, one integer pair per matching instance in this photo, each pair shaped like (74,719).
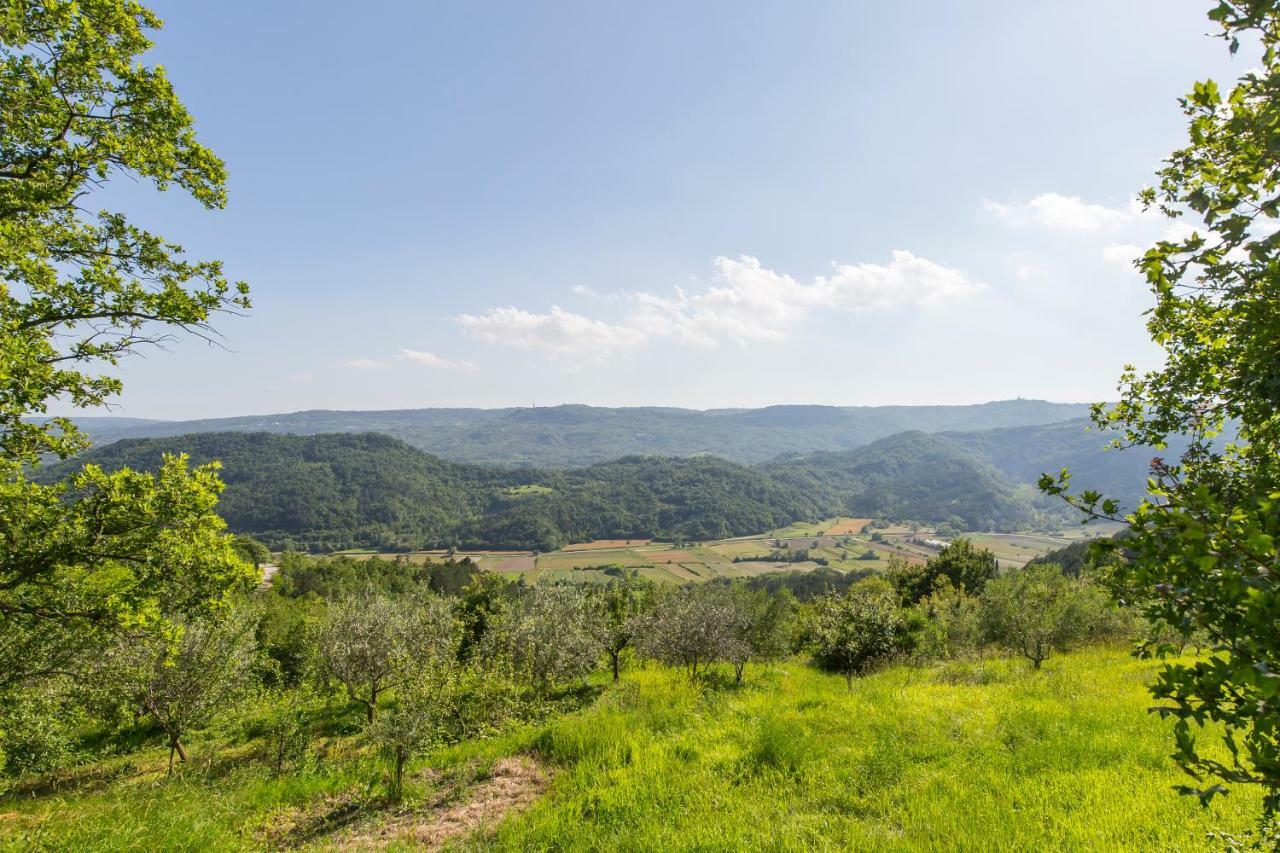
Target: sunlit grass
(978,756)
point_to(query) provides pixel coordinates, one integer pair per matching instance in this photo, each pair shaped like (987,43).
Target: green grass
(977,756)
(987,756)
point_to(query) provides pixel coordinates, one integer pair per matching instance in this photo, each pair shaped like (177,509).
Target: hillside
(333,491)
(327,492)
(1024,453)
(570,436)
(980,756)
(918,476)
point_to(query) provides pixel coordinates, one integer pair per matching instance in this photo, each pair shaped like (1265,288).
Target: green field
(975,756)
(705,560)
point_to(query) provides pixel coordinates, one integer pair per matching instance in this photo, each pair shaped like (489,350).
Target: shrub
(550,635)
(1037,609)
(371,643)
(857,631)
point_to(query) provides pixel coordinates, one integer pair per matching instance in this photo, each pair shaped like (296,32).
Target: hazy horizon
(100,413)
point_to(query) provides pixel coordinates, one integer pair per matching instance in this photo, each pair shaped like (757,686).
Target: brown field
(602,544)
(847,526)
(516,564)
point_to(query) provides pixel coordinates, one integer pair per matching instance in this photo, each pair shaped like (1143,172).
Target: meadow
(980,755)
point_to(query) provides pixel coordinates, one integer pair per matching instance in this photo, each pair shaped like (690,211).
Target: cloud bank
(746,302)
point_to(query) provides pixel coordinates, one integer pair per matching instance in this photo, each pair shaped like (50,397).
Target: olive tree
(622,604)
(760,627)
(371,643)
(181,685)
(441,703)
(550,635)
(692,627)
(1036,610)
(856,631)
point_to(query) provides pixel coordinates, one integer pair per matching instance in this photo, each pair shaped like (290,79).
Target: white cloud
(557,333)
(430,359)
(746,302)
(1122,254)
(1064,213)
(364,364)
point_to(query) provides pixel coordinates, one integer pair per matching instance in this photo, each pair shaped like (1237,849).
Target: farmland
(846,544)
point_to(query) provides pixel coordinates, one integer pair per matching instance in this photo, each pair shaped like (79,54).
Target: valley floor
(987,755)
(844,544)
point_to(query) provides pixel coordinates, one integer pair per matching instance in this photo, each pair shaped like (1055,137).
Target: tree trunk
(848,680)
(175,746)
(614,659)
(737,672)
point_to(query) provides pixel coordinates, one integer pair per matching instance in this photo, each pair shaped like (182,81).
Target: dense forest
(333,491)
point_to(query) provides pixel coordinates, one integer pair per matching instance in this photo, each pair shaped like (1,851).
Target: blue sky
(694,204)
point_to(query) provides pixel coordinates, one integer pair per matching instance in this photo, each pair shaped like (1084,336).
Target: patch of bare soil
(511,786)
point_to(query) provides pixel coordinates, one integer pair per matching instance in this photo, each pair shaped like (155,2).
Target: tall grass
(984,756)
(981,756)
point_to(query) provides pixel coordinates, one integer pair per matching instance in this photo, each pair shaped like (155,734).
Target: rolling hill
(570,436)
(332,491)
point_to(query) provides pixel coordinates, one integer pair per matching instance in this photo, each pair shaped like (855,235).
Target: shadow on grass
(333,816)
(89,777)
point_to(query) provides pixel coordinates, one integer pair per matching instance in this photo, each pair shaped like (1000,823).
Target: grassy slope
(982,756)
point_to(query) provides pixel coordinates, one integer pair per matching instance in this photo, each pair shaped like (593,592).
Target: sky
(701,204)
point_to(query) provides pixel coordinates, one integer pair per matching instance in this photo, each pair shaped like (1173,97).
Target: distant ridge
(573,435)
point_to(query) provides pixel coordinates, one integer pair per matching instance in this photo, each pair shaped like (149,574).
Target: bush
(550,635)
(1037,609)
(857,631)
(955,622)
(36,735)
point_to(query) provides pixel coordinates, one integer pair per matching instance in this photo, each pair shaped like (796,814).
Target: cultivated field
(847,544)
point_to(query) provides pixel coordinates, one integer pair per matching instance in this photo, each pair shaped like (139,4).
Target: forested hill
(914,475)
(570,436)
(333,491)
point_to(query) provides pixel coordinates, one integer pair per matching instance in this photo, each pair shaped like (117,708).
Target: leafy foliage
(97,554)
(1037,609)
(371,643)
(550,635)
(854,632)
(960,564)
(182,687)
(1203,547)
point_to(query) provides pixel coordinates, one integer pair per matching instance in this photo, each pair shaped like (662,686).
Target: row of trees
(431,654)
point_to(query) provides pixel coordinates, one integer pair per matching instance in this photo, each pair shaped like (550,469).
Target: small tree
(180,686)
(550,635)
(960,564)
(1038,609)
(760,627)
(691,627)
(371,643)
(621,603)
(853,632)
(955,621)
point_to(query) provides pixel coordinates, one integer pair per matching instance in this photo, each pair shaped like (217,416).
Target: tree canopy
(79,290)
(1203,547)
